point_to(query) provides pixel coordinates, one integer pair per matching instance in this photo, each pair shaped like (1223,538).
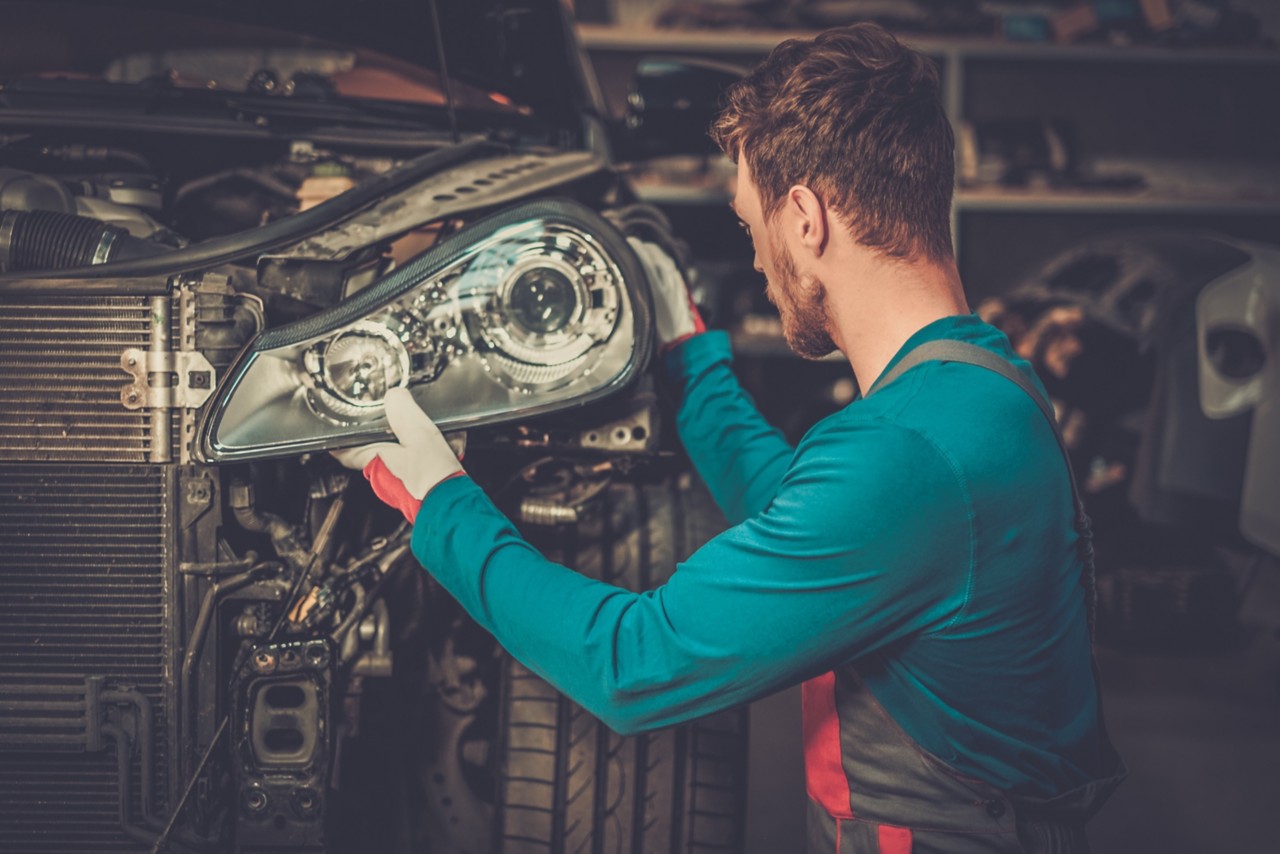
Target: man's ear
(809,219)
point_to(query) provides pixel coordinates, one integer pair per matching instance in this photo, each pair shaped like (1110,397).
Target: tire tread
(679,790)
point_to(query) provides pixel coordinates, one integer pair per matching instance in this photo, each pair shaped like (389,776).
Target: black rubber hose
(46,240)
(284,536)
(145,742)
(123,771)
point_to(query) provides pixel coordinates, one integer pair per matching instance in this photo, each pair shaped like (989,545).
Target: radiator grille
(60,379)
(83,551)
(60,803)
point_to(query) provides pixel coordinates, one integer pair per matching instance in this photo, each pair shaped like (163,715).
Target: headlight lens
(542,300)
(531,310)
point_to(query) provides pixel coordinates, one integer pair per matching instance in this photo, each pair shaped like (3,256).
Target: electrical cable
(317,549)
(163,838)
(450,106)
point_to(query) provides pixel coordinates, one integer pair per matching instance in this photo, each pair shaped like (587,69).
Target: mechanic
(917,560)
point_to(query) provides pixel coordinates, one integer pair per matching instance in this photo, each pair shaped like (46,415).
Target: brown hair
(855,116)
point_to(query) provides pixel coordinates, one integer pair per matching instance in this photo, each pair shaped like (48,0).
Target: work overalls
(873,789)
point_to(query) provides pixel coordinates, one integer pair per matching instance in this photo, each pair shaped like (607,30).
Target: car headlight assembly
(535,309)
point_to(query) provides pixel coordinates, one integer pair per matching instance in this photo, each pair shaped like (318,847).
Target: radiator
(60,379)
(85,558)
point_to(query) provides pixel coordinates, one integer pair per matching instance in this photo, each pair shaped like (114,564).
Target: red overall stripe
(894,840)
(823,768)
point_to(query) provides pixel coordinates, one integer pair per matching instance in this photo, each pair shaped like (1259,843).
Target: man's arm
(835,568)
(741,456)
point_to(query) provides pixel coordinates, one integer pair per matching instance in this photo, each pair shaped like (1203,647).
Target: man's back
(928,537)
(1007,686)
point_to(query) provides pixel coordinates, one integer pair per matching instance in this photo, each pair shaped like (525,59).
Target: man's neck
(880,304)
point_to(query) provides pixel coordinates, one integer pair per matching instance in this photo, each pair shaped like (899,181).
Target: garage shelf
(1199,124)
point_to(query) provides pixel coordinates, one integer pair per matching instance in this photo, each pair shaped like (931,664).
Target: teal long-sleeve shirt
(924,533)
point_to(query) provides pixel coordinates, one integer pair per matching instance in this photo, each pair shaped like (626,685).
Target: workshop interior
(227,229)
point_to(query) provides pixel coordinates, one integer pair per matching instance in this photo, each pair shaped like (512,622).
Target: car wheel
(567,782)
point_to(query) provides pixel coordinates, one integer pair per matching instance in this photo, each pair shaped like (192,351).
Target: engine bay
(287,618)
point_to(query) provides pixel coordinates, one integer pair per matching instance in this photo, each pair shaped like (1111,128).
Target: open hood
(522,50)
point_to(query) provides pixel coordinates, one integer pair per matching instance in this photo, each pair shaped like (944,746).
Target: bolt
(255,800)
(264,661)
(306,800)
(247,626)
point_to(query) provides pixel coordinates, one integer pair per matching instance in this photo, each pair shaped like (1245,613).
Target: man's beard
(802,304)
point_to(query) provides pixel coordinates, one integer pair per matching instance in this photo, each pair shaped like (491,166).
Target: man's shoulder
(870,481)
(989,429)
(861,449)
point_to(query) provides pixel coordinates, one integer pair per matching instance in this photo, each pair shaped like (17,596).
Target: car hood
(524,49)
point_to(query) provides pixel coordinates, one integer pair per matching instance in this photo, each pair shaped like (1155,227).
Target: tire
(569,784)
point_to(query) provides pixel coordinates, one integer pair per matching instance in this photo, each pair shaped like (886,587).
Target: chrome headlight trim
(447,310)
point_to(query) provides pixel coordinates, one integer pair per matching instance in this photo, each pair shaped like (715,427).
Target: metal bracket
(637,432)
(165,379)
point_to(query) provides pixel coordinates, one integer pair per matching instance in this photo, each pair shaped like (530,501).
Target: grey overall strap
(969,354)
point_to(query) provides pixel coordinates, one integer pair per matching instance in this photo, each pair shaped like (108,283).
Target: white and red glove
(675,315)
(403,472)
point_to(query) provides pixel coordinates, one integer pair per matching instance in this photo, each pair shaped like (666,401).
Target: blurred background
(1117,213)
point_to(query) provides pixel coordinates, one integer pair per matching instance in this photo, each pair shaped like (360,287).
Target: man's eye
(742,225)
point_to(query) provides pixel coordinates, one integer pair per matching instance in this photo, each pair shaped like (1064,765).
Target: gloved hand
(675,315)
(403,472)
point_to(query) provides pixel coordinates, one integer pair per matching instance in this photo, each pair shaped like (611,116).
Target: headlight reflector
(534,309)
(357,367)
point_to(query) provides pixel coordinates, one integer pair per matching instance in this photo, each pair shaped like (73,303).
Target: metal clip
(165,379)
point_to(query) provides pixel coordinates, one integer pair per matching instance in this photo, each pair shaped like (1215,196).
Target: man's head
(856,118)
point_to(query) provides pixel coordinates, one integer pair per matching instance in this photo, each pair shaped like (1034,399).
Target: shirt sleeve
(858,550)
(739,455)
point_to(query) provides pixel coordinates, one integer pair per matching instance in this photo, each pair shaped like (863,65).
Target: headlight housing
(532,310)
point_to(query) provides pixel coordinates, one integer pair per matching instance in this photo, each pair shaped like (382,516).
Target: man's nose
(755,262)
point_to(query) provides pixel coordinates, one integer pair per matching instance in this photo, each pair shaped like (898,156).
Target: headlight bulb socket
(351,373)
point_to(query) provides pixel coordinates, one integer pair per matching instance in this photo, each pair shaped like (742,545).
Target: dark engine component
(283,743)
(26,191)
(46,240)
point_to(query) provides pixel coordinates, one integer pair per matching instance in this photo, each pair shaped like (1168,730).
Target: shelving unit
(1190,106)
(601,37)
(1064,201)
(952,54)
